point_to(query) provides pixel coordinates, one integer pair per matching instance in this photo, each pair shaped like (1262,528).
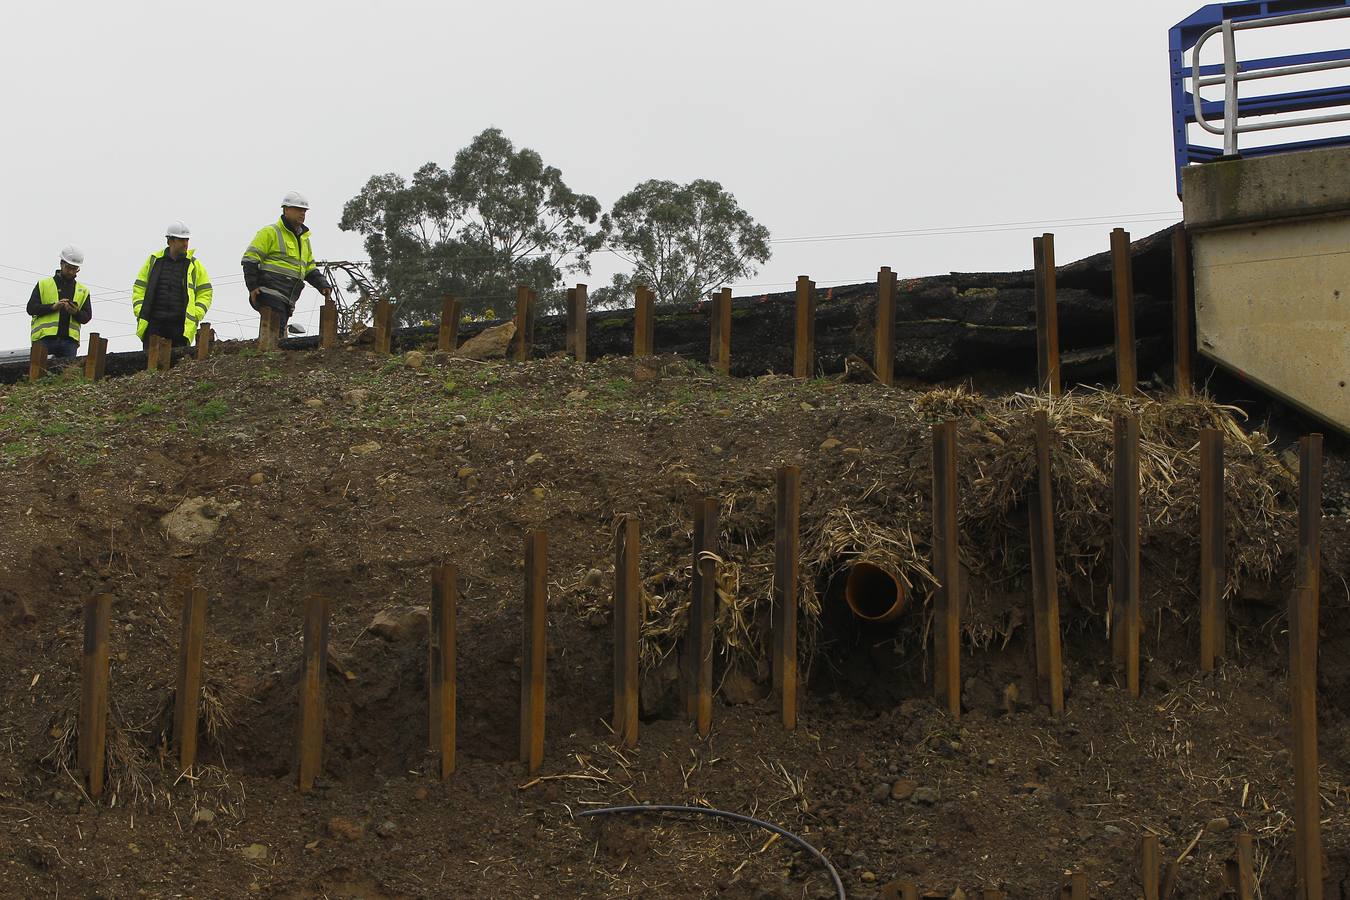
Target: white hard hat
(72,255)
(177,230)
(296,199)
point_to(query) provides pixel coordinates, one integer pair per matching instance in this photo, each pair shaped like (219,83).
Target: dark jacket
(65,290)
(166,290)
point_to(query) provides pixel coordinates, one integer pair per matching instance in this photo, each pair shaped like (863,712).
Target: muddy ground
(315,488)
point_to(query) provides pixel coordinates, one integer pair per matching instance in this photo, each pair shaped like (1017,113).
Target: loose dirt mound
(353,475)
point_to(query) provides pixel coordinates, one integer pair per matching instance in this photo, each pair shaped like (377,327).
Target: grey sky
(822,119)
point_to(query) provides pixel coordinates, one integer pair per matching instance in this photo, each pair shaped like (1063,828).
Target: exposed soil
(469,457)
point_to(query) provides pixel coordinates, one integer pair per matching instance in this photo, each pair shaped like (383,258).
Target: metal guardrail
(1226,19)
(1231,77)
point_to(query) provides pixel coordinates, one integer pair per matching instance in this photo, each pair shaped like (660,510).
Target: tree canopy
(500,217)
(683,240)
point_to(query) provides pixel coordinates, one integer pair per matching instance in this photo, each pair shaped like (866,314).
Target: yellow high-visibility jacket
(284,260)
(197,285)
(48,324)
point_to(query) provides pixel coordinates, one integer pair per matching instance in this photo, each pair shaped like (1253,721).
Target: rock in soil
(345,829)
(196,520)
(903,789)
(488,344)
(254,851)
(924,796)
(399,624)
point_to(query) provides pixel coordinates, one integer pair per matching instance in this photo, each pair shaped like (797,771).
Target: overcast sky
(823,119)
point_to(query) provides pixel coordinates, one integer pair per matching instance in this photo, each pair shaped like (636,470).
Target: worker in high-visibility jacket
(172,291)
(59,305)
(279,261)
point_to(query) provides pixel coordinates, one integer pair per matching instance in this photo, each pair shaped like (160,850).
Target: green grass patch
(15,450)
(210,411)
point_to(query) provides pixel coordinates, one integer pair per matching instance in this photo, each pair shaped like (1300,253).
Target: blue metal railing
(1225,18)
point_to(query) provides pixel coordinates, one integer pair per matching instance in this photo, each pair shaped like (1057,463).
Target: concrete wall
(1271,255)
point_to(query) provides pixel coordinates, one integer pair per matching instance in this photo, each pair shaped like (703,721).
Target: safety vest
(282,254)
(47,324)
(198,294)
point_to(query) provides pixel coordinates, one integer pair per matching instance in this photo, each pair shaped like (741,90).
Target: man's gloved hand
(253,297)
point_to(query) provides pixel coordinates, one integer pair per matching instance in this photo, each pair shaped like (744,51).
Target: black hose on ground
(735,817)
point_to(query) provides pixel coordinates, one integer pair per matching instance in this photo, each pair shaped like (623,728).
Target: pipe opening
(873,594)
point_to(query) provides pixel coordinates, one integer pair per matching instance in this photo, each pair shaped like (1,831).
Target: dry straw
(876,506)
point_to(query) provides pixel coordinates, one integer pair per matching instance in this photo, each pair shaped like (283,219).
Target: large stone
(491,343)
(400,624)
(196,520)
(739,688)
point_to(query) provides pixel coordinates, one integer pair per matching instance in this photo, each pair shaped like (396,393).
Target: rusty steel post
(1122,283)
(165,354)
(1245,888)
(154,354)
(947,570)
(188,686)
(787,572)
(37,361)
(102,367)
(313,680)
(993,894)
(1213,622)
(328,325)
(91,357)
(627,630)
(1045,574)
(447,336)
(1078,886)
(697,657)
(522,345)
(707,601)
(93,719)
(1148,865)
(384,326)
(1047,314)
(1125,622)
(1303,626)
(267,329)
(909,891)
(1182,342)
(204,336)
(719,346)
(579,327)
(534,652)
(883,351)
(644,322)
(804,332)
(570,323)
(441,667)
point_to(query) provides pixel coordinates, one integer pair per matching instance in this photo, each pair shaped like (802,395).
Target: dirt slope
(351,475)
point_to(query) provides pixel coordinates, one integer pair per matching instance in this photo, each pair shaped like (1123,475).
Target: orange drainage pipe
(873,594)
